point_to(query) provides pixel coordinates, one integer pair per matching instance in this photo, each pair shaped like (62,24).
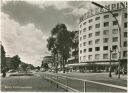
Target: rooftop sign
(110,7)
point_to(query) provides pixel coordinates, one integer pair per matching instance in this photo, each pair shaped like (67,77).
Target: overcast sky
(26,25)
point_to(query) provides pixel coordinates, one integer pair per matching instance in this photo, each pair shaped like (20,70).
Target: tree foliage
(61,41)
(15,61)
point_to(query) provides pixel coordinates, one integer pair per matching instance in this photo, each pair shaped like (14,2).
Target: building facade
(99,35)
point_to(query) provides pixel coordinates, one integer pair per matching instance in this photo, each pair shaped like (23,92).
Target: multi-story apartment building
(99,33)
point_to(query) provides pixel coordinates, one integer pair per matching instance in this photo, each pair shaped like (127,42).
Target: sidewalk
(99,77)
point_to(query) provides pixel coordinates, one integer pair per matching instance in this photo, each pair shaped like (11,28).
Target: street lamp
(119,35)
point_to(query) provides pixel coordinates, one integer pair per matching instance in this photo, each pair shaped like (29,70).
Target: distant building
(49,60)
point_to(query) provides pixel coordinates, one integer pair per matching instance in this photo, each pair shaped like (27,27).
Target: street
(37,82)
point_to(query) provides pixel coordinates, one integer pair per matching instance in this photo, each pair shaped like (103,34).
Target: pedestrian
(123,71)
(4,73)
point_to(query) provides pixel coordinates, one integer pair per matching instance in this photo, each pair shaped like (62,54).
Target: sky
(26,25)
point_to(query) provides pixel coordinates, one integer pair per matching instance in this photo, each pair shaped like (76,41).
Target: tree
(15,61)
(3,58)
(63,41)
(24,66)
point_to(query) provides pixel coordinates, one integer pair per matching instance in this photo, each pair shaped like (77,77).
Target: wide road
(34,83)
(93,87)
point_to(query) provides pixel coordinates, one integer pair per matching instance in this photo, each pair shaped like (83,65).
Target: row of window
(97,41)
(105,16)
(105,56)
(114,47)
(105,25)
(105,32)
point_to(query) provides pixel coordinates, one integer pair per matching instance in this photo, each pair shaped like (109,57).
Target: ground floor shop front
(101,66)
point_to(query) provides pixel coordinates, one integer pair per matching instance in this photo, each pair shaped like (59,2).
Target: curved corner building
(99,37)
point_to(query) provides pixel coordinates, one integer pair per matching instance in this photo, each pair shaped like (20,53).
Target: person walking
(4,73)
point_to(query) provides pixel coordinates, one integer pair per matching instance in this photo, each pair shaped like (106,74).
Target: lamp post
(119,29)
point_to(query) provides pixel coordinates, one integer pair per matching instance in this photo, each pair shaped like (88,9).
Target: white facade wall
(84,56)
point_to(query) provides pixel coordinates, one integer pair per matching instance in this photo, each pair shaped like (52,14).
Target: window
(97,18)
(114,47)
(125,34)
(125,53)
(106,32)
(106,16)
(115,22)
(105,56)
(97,56)
(125,43)
(90,28)
(80,38)
(106,24)
(90,35)
(125,15)
(89,57)
(97,41)
(105,40)
(84,44)
(97,25)
(80,45)
(84,37)
(97,48)
(125,25)
(84,23)
(115,14)
(90,50)
(105,47)
(84,30)
(115,39)
(80,31)
(90,20)
(84,50)
(80,51)
(114,31)
(84,57)
(114,55)
(90,42)
(97,33)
